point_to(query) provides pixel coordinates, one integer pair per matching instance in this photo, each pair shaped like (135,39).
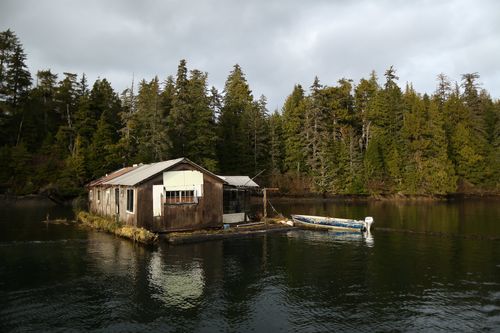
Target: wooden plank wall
(204,214)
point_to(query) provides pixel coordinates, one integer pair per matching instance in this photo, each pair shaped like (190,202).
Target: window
(117,200)
(130,200)
(90,195)
(98,195)
(180,197)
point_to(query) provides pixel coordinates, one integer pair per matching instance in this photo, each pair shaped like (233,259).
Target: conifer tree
(15,82)
(383,160)
(179,117)
(20,170)
(347,164)
(150,125)
(74,174)
(167,96)
(102,157)
(494,159)
(15,78)
(276,146)
(127,143)
(103,103)
(293,124)
(215,102)
(427,169)
(364,95)
(233,146)
(316,133)
(254,127)
(200,129)
(475,126)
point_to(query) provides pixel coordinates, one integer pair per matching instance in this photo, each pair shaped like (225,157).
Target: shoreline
(280,197)
(38,199)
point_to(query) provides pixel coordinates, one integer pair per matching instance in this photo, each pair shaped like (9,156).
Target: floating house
(173,195)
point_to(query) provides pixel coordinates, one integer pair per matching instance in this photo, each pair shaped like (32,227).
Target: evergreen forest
(372,137)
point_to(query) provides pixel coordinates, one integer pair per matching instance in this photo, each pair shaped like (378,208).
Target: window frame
(130,202)
(180,197)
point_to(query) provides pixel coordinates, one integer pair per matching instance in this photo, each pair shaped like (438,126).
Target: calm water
(445,277)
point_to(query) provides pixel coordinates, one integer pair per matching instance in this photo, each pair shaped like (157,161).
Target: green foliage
(233,143)
(341,139)
(149,129)
(15,79)
(21,170)
(293,123)
(276,145)
(427,168)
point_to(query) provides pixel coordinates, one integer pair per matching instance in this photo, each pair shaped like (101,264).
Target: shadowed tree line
(58,133)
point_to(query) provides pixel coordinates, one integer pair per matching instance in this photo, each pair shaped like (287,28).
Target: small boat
(323,222)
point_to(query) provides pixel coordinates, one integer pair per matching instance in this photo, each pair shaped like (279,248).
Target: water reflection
(112,255)
(176,285)
(62,278)
(334,236)
(462,217)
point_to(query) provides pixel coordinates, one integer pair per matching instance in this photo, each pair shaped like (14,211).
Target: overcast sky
(277,43)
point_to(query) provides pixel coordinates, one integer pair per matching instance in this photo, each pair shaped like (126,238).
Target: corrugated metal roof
(143,172)
(239,181)
(110,176)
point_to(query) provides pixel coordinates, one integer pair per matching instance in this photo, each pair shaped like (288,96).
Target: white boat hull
(326,223)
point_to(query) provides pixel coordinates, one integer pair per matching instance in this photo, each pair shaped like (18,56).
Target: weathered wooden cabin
(167,196)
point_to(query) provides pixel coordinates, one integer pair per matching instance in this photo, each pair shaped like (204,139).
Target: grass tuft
(139,235)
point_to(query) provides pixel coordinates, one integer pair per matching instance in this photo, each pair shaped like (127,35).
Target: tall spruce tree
(179,118)
(364,95)
(427,169)
(293,124)
(201,132)
(255,137)
(150,124)
(15,78)
(127,143)
(316,132)
(476,128)
(383,159)
(233,146)
(276,147)
(15,82)
(67,100)
(104,104)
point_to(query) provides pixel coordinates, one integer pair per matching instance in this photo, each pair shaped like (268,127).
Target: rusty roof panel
(108,177)
(142,173)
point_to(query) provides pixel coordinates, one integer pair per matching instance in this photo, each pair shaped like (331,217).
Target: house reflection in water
(180,286)
(181,276)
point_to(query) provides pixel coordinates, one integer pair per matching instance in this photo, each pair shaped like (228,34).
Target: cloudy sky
(277,43)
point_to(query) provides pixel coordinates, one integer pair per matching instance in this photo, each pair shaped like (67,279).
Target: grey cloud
(278,43)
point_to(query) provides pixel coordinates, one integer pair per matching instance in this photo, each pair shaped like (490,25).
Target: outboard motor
(368,223)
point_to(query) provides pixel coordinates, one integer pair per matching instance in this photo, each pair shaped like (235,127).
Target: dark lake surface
(429,267)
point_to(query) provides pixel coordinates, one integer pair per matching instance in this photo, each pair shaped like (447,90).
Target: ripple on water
(295,282)
(43,242)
